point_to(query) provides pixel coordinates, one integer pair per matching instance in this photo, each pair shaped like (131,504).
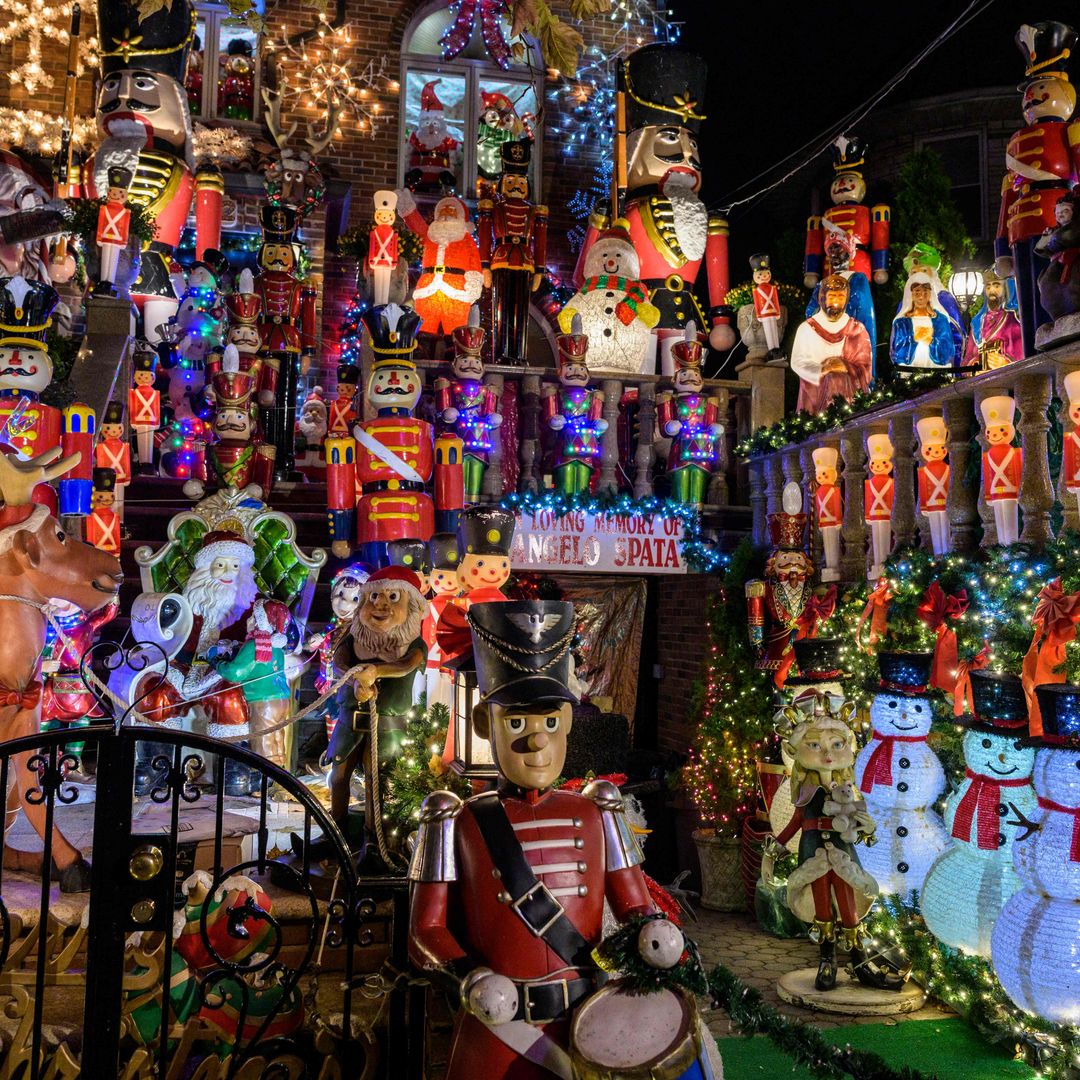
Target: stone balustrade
(1034,384)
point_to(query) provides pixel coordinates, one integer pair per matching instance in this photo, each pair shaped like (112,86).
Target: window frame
(929,141)
(213,15)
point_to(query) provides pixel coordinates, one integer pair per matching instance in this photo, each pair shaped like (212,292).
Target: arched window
(447,104)
(223,70)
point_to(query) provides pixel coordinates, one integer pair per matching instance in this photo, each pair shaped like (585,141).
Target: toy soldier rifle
(63,185)
(618,174)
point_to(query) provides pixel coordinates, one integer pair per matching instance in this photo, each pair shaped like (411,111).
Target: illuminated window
(223,71)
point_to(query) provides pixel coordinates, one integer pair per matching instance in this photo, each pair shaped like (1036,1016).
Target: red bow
(936,609)
(877,611)
(963,699)
(879,767)
(1074,850)
(24,699)
(818,610)
(981,802)
(1055,619)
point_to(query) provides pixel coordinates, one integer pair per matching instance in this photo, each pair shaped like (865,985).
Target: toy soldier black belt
(530,897)
(1045,185)
(391,485)
(540,1002)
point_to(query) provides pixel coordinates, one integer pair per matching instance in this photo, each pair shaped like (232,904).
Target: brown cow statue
(39,563)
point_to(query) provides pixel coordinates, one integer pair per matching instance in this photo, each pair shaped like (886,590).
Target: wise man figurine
(103,525)
(829,508)
(113,452)
(113,228)
(144,404)
(1002,464)
(878,494)
(934,480)
(768,310)
(994,339)
(382,255)
(1070,463)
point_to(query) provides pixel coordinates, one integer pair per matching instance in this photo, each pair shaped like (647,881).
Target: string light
(39,133)
(37,20)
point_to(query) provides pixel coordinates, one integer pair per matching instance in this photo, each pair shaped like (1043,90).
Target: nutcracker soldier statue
(382,254)
(114,224)
(342,415)
(443,553)
(467,406)
(113,452)
(145,125)
(242,310)
(512,233)
(775,605)
(1070,461)
(673,233)
(575,412)
(1002,465)
(934,480)
(828,508)
(287,328)
(103,525)
(879,491)
(144,404)
(767,307)
(1043,163)
(520,950)
(692,422)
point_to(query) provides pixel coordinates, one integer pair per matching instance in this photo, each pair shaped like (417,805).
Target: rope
(376,783)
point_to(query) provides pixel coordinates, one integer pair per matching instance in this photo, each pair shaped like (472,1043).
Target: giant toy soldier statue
(673,233)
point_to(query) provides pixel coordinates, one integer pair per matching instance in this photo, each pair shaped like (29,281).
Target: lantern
(472,754)
(966,285)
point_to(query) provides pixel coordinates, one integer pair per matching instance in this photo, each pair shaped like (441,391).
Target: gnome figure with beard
(672,231)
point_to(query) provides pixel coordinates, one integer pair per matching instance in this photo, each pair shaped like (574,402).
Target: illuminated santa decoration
(430,145)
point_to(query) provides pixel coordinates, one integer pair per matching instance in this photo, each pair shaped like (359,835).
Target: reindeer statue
(39,565)
(293,177)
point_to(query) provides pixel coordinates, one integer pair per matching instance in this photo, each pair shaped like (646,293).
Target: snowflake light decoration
(39,20)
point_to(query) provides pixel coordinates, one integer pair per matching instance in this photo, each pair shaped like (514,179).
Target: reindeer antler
(318,143)
(19,478)
(272,116)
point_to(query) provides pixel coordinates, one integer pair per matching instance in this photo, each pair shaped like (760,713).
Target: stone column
(986,511)
(756,470)
(1068,498)
(774,483)
(962,503)
(1036,488)
(645,454)
(529,432)
(902,434)
(766,382)
(609,441)
(853,533)
(493,475)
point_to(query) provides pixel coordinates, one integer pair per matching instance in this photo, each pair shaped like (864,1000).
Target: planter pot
(721,871)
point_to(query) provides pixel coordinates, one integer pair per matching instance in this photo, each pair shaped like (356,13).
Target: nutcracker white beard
(449,231)
(219,604)
(691,217)
(120,148)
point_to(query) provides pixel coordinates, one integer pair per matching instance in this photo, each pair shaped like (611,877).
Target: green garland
(839,413)
(619,953)
(791,296)
(354,243)
(82,225)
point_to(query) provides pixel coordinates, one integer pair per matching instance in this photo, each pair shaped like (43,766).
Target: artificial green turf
(950,1049)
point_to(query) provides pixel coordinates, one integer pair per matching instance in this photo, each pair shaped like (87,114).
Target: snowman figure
(972,879)
(614,306)
(1035,947)
(901,777)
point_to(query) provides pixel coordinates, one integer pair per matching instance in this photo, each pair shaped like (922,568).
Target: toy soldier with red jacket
(113,452)
(509,887)
(242,309)
(103,526)
(113,226)
(513,248)
(144,404)
(1002,465)
(934,479)
(342,415)
(287,328)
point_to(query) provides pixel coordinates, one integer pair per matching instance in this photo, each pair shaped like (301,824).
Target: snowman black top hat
(818,659)
(999,704)
(905,672)
(1059,704)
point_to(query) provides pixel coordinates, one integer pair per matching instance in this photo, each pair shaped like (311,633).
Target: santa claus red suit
(430,145)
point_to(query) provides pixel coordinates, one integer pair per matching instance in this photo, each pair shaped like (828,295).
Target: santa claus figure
(431,146)
(311,426)
(450,279)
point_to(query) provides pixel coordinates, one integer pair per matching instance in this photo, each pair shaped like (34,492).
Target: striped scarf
(636,293)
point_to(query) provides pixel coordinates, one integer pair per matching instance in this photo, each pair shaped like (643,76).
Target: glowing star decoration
(971,880)
(901,777)
(1035,948)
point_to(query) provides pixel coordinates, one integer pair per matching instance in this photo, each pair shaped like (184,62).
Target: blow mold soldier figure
(103,524)
(144,405)
(113,452)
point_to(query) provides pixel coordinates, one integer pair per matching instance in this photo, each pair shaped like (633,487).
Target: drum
(617,1035)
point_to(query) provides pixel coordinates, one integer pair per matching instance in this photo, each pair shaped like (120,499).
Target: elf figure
(768,310)
(829,509)
(691,421)
(342,414)
(575,412)
(144,404)
(934,479)
(878,495)
(103,526)
(467,406)
(443,583)
(113,227)
(1070,461)
(382,255)
(113,452)
(1002,465)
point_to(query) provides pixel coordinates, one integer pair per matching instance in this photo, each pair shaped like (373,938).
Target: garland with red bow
(819,609)
(1055,618)
(935,610)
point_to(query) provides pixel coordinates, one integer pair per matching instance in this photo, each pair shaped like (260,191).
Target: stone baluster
(1068,498)
(902,434)
(719,492)
(923,526)
(756,470)
(853,533)
(963,508)
(986,511)
(774,483)
(493,475)
(806,456)
(609,441)
(645,454)
(1036,488)
(529,432)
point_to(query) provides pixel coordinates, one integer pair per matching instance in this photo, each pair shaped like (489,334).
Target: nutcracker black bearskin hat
(665,85)
(159,42)
(412,554)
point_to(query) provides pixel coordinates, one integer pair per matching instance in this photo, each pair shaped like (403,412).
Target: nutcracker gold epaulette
(718,226)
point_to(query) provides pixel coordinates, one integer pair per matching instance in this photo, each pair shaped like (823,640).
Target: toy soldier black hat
(516,156)
(1046,48)
(159,42)
(26,309)
(120,177)
(818,659)
(848,153)
(665,85)
(114,413)
(104,479)
(412,554)
(348,373)
(485,530)
(278,224)
(444,551)
(759,262)
(999,704)
(522,650)
(145,358)
(393,333)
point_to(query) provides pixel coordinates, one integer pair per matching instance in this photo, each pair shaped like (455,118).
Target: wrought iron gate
(261,978)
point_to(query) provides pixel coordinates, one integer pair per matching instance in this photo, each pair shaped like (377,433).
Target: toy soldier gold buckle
(545,895)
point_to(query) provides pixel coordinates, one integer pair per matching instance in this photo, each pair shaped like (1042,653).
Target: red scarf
(981,802)
(1074,850)
(936,609)
(879,767)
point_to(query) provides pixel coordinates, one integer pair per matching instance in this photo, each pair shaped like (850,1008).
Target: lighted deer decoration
(39,563)
(293,177)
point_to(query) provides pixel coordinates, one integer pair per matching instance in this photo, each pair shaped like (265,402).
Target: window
(964,158)
(223,71)
(456,113)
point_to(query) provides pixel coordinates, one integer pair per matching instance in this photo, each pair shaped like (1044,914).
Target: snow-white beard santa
(449,230)
(312,422)
(691,217)
(219,603)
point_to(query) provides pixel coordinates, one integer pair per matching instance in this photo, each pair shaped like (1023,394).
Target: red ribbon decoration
(1074,850)
(936,609)
(963,699)
(877,611)
(1055,619)
(818,609)
(879,767)
(24,699)
(980,803)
